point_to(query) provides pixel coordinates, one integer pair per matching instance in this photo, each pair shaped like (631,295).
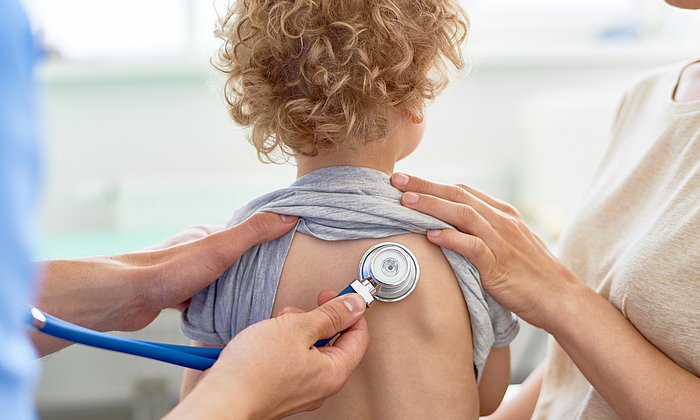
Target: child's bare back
(419,364)
(340,87)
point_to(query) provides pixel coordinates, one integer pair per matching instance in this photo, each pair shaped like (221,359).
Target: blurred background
(138,145)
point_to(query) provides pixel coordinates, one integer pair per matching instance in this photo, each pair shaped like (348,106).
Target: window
(89,29)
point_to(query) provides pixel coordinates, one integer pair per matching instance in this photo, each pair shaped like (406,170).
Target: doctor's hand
(271,369)
(127,292)
(516,267)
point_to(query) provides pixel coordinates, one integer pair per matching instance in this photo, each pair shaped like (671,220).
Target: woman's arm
(494,380)
(633,376)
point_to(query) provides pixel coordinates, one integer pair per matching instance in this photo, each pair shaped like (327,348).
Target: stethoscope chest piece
(392,268)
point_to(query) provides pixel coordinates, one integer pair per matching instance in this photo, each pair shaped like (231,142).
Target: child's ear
(417,120)
(413,118)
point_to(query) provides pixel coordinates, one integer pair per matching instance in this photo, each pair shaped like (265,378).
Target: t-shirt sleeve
(505,323)
(209,316)
(198,320)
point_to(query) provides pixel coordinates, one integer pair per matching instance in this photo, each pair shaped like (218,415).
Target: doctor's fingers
(190,234)
(332,317)
(346,353)
(459,193)
(289,310)
(325,296)
(223,248)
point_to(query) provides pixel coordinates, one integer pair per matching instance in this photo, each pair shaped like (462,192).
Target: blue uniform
(19,173)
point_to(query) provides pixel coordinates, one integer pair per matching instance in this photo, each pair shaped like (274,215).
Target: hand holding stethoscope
(275,358)
(271,370)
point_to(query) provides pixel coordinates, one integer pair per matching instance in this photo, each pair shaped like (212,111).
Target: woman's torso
(636,239)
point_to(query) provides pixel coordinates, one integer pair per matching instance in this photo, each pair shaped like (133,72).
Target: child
(340,86)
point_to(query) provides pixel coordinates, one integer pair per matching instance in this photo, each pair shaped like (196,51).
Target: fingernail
(287,218)
(400,179)
(410,198)
(354,303)
(434,233)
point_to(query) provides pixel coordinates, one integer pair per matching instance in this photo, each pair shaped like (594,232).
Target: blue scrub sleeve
(19,175)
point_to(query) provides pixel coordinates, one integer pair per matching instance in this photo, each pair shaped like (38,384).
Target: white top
(635,238)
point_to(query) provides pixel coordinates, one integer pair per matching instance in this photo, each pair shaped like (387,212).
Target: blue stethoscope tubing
(199,358)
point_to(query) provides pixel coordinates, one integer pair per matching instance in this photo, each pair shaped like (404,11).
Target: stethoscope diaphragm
(393,270)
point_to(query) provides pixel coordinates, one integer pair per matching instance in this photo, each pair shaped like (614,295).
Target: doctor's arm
(517,269)
(127,292)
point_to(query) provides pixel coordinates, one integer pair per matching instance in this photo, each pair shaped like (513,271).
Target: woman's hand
(515,266)
(271,369)
(632,375)
(127,292)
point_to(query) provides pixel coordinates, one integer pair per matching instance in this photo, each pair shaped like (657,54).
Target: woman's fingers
(458,193)
(470,246)
(415,184)
(494,202)
(462,216)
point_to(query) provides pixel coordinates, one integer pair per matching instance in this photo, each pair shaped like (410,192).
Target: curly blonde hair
(309,74)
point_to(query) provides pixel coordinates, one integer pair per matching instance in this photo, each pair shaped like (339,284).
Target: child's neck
(381,159)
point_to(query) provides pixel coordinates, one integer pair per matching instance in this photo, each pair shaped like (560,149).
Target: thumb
(223,248)
(334,316)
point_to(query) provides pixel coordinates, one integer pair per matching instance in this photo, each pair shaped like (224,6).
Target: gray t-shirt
(334,204)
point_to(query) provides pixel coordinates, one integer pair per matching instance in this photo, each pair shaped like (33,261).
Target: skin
(520,272)
(522,405)
(688,89)
(382,387)
(269,370)
(685,4)
(272,370)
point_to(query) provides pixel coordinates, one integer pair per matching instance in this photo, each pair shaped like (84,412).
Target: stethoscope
(388,272)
